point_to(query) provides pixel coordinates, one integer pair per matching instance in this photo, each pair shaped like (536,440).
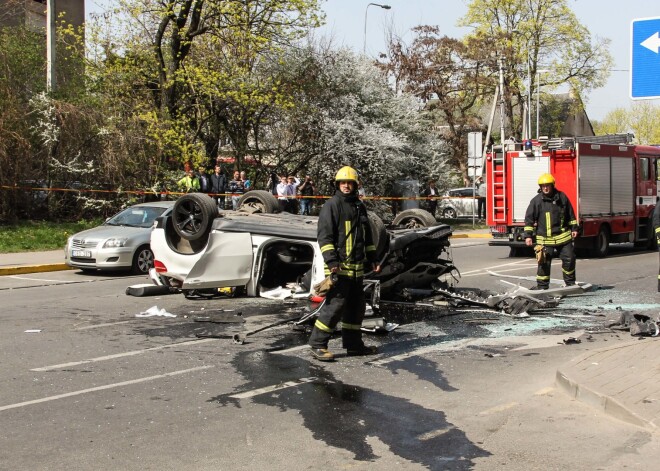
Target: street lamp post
(538,98)
(366,10)
(50,45)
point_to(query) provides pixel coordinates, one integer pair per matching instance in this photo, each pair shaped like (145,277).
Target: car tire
(143,260)
(193,214)
(258,201)
(449,213)
(414,218)
(601,243)
(378,233)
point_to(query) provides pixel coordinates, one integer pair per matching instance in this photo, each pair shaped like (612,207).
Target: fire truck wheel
(601,244)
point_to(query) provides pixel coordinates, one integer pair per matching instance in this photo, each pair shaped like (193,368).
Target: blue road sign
(645,59)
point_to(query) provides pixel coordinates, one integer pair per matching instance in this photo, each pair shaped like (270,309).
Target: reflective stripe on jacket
(554,218)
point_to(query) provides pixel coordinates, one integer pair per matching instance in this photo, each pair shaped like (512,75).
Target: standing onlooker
(306,190)
(283,194)
(189,182)
(346,242)
(236,189)
(272,183)
(219,186)
(247,184)
(656,229)
(204,181)
(481,198)
(551,216)
(431,192)
(292,191)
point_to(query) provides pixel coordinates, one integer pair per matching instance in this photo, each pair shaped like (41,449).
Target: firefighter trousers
(346,302)
(567,256)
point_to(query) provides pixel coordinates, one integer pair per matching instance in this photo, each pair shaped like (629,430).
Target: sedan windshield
(136,216)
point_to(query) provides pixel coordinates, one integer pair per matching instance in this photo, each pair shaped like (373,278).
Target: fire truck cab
(612,185)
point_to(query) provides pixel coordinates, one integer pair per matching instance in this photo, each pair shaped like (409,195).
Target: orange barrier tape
(179,193)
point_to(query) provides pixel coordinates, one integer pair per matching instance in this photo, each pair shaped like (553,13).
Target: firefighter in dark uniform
(656,229)
(551,215)
(345,240)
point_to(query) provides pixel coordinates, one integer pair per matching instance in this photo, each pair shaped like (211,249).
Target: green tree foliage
(641,119)
(539,34)
(193,63)
(451,78)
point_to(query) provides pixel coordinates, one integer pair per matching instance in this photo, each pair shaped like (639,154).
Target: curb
(24,269)
(470,236)
(596,399)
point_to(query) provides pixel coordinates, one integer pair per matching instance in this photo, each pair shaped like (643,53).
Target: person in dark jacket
(550,216)
(345,239)
(656,229)
(219,186)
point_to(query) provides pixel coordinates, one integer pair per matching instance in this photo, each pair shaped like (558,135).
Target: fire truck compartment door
(606,185)
(525,176)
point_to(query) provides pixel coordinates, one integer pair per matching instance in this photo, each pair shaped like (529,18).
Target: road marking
(275,387)
(289,350)
(435,433)
(519,262)
(529,342)
(101,388)
(120,355)
(16,277)
(500,408)
(101,325)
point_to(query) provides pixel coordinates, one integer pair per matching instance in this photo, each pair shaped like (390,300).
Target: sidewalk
(32,262)
(622,381)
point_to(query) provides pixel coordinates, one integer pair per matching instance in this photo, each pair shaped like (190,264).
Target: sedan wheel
(449,213)
(143,260)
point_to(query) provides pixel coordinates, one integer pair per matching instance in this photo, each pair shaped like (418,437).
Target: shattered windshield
(136,216)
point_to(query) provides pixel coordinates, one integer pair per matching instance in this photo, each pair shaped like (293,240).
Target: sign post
(475,164)
(645,58)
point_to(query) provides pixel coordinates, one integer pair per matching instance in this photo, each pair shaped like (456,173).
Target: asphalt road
(95,387)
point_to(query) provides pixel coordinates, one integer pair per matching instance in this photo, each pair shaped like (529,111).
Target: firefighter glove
(539,250)
(321,288)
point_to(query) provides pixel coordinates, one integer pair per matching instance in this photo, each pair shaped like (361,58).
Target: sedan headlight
(115,243)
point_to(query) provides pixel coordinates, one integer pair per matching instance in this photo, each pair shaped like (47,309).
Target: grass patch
(33,236)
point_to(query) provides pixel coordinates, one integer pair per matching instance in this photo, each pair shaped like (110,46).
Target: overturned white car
(258,250)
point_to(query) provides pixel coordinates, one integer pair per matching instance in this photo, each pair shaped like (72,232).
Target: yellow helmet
(546,179)
(347,174)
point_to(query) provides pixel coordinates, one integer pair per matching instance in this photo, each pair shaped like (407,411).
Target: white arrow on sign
(652,43)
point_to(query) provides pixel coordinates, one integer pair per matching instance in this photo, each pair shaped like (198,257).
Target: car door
(469,202)
(227,261)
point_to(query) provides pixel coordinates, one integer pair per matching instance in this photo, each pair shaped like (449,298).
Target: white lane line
(527,342)
(275,387)
(101,325)
(120,355)
(16,277)
(494,267)
(101,388)
(521,267)
(289,350)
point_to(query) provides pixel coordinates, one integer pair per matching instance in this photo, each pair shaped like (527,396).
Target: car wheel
(143,260)
(378,233)
(193,214)
(601,244)
(413,218)
(449,213)
(258,201)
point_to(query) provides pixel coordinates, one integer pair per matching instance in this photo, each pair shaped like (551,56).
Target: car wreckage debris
(638,324)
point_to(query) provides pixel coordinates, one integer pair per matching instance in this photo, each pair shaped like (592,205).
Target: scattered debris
(149,289)
(571,341)
(32,331)
(154,311)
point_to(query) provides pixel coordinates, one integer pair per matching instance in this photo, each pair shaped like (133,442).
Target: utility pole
(500,63)
(50,45)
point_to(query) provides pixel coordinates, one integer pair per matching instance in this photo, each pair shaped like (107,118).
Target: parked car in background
(122,242)
(457,203)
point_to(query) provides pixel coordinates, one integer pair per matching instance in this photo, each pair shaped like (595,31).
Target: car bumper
(100,259)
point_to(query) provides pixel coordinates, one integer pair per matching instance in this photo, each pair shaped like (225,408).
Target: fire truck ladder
(498,179)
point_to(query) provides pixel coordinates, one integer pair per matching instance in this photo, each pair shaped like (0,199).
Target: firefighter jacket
(554,218)
(344,235)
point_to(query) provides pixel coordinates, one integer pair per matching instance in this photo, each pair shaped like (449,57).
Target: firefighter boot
(362,350)
(322,354)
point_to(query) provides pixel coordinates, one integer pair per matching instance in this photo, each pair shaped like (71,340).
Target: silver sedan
(121,243)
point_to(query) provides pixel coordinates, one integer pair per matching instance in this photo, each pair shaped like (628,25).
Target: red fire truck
(612,185)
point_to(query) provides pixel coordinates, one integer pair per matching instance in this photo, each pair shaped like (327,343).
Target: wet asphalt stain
(344,415)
